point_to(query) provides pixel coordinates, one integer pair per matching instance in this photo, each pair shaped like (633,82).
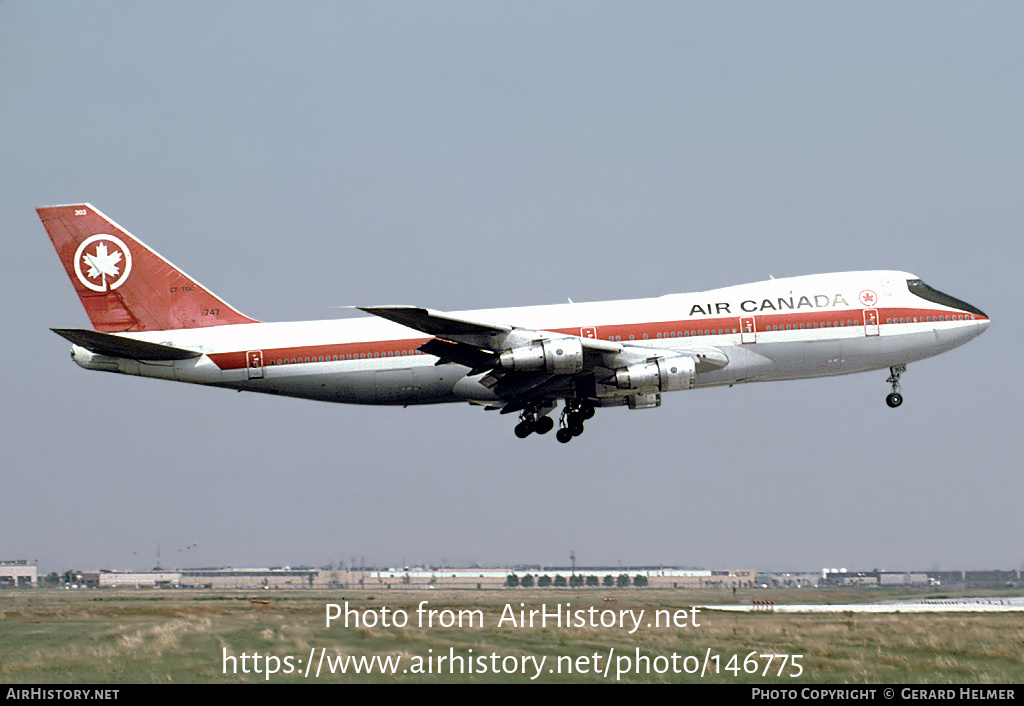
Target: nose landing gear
(895,398)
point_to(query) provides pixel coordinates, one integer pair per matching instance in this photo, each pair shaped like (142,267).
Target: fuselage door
(588,332)
(748,329)
(254,364)
(871,322)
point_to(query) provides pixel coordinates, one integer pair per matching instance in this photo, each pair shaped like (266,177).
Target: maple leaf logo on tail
(101,264)
(104,265)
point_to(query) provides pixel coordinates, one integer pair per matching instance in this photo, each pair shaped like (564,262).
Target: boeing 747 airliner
(151,319)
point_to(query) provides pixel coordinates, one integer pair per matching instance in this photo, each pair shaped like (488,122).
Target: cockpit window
(920,289)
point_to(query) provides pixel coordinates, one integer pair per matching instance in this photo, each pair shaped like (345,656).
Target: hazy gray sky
(296,157)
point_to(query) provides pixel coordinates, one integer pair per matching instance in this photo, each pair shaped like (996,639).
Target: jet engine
(663,374)
(561,356)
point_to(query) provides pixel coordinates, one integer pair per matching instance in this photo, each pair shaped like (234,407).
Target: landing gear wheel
(575,413)
(895,398)
(544,425)
(564,435)
(524,429)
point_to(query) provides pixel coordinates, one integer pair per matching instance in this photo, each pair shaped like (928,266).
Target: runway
(939,605)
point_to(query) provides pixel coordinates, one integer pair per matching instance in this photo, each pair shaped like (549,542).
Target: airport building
(921,579)
(137,579)
(276,577)
(18,572)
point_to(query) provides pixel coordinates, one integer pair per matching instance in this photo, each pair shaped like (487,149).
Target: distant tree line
(575,581)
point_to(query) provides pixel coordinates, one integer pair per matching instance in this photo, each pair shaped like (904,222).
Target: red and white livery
(151,319)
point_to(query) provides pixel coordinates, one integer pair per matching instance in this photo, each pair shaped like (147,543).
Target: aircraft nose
(978,326)
(981,319)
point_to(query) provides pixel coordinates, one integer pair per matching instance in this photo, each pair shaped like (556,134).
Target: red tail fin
(124,285)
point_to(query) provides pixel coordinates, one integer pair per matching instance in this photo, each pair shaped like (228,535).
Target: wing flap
(478,359)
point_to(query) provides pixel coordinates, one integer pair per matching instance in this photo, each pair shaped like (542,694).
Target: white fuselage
(782,329)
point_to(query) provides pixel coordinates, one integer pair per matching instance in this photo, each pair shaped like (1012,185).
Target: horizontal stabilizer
(121,347)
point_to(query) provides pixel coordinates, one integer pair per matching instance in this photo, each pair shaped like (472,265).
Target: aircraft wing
(435,323)
(483,348)
(452,328)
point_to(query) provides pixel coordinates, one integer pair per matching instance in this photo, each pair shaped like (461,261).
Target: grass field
(145,636)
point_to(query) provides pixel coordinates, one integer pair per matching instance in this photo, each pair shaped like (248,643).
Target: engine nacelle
(561,356)
(664,374)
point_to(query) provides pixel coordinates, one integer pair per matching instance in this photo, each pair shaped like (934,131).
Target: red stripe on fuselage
(332,352)
(669,330)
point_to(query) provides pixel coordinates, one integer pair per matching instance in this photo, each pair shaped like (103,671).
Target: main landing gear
(573,416)
(895,398)
(531,421)
(536,419)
